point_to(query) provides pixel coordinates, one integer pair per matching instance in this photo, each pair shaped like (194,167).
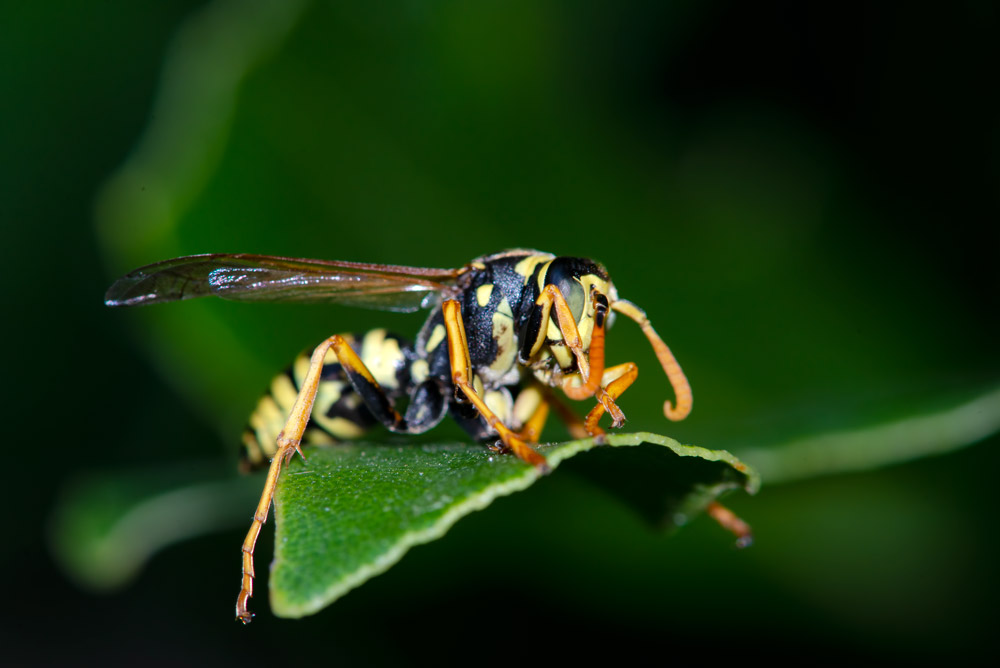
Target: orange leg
(728,520)
(546,401)
(572,421)
(588,383)
(288,444)
(617,379)
(531,427)
(461,375)
(552,297)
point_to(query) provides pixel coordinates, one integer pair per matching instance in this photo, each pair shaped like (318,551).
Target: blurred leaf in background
(802,199)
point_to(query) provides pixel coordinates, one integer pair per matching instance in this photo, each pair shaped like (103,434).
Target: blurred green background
(803,199)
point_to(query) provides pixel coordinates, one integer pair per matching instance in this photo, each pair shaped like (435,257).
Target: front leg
(590,362)
(616,380)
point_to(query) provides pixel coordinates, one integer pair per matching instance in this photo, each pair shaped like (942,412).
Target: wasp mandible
(503,330)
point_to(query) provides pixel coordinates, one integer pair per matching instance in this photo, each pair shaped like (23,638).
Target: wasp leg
(591,365)
(290,438)
(461,375)
(427,405)
(616,380)
(534,416)
(552,298)
(530,411)
(288,444)
(730,521)
(577,429)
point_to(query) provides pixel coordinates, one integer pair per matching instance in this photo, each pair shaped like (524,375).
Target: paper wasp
(503,330)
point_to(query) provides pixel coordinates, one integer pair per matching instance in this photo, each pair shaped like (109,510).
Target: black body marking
(501,334)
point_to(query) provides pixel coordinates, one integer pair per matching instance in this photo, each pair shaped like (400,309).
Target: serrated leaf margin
(555,454)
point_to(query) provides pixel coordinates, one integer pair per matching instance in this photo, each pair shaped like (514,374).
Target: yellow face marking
(552,332)
(483,294)
(526,267)
(564,357)
(586,324)
(598,284)
(381,355)
(436,337)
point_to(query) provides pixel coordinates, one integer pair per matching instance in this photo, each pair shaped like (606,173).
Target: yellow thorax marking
(503,334)
(483,294)
(436,337)
(419,371)
(526,267)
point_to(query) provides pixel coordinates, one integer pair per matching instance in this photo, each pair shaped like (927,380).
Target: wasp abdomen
(339,413)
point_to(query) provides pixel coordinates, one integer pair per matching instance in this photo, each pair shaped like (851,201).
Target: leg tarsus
(618,379)
(732,523)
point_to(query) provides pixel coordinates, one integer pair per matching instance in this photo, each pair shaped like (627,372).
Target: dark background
(804,200)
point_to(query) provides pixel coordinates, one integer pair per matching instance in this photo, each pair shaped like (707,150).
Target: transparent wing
(243,277)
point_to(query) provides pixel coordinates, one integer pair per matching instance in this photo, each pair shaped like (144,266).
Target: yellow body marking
(436,337)
(483,294)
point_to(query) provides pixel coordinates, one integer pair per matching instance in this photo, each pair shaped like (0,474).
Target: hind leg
(425,409)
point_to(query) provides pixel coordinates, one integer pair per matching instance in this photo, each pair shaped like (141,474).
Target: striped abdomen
(338,412)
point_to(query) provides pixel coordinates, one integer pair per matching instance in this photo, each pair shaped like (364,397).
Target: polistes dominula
(502,332)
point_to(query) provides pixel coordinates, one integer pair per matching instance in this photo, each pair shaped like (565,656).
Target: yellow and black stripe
(339,412)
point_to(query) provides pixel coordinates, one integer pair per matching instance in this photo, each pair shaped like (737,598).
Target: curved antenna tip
(678,381)
(676,413)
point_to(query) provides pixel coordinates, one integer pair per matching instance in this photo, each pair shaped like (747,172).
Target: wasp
(504,331)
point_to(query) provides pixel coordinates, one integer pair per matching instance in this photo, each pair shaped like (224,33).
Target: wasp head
(588,292)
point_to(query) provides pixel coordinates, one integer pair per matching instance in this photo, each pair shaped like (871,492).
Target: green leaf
(349,513)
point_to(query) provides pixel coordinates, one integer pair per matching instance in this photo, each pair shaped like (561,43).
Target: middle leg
(461,375)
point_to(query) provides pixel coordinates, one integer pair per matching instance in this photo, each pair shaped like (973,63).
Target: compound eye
(572,291)
(565,273)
